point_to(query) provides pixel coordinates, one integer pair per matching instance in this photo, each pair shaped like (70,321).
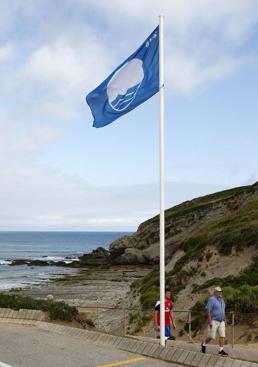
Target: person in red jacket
(169,316)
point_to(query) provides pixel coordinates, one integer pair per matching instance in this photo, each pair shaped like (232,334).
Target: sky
(57,172)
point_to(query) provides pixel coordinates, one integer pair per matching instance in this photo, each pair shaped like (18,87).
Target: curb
(148,349)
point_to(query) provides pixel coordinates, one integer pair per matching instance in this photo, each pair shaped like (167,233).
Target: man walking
(216,321)
(169,316)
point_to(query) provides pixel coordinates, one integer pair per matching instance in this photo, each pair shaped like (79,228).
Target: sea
(55,246)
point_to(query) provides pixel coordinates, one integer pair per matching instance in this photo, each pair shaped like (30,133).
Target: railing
(191,326)
(122,320)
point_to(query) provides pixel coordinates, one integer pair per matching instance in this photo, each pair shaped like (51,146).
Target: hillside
(224,219)
(209,240)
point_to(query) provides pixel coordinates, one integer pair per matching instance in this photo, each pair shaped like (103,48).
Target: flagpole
(162,197)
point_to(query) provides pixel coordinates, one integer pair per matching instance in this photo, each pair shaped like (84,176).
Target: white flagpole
(162,199)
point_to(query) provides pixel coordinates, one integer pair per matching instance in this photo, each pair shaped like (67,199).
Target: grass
(202,202)
(247,277)
(242,300)
(238,229)
(138,319)
(56,310)
(240,294)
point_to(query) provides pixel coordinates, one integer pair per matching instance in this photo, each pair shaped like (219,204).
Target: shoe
(171,338)
(223,353)
(203,348)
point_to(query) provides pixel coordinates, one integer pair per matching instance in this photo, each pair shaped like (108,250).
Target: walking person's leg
(222,336)
(212,330)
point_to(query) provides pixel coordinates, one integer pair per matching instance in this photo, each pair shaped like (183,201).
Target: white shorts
(217,326)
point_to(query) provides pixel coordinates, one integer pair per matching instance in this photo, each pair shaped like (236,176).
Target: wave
(5,262)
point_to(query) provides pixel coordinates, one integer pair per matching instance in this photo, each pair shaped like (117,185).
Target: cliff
(210,241)
(225,220)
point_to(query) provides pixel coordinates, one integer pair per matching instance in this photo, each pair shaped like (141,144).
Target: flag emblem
(123,86)
(130,84)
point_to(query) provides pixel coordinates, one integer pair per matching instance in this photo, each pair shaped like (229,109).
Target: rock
(100,256)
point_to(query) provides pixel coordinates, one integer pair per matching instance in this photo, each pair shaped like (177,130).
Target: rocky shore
(100,293)
(98,257)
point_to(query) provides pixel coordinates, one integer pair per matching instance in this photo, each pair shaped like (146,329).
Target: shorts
(167,331)
(217,326)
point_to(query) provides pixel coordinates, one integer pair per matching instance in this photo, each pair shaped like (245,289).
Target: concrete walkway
(27,346)
(238,352)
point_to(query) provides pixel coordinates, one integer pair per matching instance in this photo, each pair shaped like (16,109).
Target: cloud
(42,198)
(61,71)
(58,53)
(7,53)
(194,73)
(202,41)
(203,45)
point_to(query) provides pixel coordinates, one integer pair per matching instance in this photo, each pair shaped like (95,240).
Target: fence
(241,328)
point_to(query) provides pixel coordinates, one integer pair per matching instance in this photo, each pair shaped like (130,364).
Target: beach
(44,247)
(89,288)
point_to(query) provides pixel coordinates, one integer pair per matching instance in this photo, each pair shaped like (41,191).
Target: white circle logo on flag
(124,84)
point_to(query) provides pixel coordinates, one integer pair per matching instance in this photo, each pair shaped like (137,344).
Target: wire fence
(241,328)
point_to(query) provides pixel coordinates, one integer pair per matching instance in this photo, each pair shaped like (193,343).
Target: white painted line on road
(4,365)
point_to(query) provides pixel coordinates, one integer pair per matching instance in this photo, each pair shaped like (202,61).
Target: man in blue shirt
(216,320)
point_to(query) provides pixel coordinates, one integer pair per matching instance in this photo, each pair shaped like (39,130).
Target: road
(27,346)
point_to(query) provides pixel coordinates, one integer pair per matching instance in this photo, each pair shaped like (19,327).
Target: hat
(218,289)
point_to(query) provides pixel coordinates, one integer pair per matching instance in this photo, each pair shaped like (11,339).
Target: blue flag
(130,84)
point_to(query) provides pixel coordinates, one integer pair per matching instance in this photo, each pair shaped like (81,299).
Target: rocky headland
(209,240)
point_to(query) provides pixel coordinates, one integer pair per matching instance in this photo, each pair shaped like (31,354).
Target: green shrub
(248,276)
(56,310)
(136,319)
(242,299)
(149,298)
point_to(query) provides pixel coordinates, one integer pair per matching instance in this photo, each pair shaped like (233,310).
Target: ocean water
(54,246)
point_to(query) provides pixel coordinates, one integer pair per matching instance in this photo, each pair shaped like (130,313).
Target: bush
(136,319)
(247,277)
(149,298)
(242,299)
(56,310)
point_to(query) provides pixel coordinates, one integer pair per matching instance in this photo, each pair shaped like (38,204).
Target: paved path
(26,346)
(239,352)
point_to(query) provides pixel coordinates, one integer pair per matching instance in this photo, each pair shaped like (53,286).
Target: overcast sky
(59,173)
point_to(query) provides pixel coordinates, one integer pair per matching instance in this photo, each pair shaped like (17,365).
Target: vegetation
(203,202)
(247,277)
(240,294)
(138,319)
(241,300)
(236,229)
(56,310)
